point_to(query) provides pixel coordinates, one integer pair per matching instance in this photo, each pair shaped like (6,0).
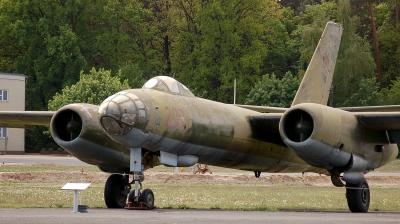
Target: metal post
(234,92)
(136,178)
(75,209)
(6,143)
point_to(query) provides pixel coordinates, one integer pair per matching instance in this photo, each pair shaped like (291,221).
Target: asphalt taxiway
(41,159)
(107,216)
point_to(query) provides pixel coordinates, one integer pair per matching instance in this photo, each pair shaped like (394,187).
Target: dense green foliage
(93,88)
(274,92)
(204,44)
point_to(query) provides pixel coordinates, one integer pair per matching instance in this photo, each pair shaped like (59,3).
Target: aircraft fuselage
(219,134)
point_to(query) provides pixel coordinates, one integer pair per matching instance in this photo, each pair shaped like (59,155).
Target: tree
(392,93)
(52,41)
(368,5)
(125,39)
(92,88)
(218,41)
(389,40)
(368,94)
(46,44)
(271,91)
(354,62)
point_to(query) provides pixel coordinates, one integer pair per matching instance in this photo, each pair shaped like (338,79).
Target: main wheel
(115,191)
(147,197)
(358,197)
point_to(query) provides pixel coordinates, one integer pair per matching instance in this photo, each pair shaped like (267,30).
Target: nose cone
(119,112)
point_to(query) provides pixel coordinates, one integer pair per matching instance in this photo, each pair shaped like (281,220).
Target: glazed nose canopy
(119,112)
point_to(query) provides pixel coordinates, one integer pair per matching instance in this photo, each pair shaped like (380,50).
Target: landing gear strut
(358,197)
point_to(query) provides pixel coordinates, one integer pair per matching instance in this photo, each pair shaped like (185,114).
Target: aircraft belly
(95,154)
(238,154)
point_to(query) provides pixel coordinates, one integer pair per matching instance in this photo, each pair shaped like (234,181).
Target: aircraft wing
(389,121)
(266,127)
(22,119)
(263,109)
(385,108)
(266,109)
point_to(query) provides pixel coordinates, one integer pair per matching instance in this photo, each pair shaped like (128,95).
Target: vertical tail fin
(317,80)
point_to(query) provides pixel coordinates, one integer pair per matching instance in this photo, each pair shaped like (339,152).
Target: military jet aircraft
(164,123)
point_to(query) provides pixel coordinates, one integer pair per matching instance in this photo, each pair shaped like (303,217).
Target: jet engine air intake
(320,135)
(67,125)
(298,125)
(76,129)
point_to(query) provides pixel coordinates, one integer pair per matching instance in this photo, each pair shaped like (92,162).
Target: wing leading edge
(22,119)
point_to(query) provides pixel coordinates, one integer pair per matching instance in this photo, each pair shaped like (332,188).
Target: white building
(12,98)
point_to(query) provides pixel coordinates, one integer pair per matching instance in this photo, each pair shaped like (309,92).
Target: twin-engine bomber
(164,123)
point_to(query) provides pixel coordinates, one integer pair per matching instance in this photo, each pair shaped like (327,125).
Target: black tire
(131,197)
(147,197)
(114,191)
(358,197)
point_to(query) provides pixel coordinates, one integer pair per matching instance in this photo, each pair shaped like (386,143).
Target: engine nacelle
(322,136)
(76,129)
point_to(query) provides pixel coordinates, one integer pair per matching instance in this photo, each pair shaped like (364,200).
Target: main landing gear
(357,195)
(118,190)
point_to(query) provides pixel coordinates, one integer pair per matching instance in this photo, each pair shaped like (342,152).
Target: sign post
(75,187)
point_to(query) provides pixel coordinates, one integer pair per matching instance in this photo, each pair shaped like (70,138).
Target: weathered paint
(217,133)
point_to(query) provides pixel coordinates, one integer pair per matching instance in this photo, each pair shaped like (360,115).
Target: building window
(3,132)
(3,95)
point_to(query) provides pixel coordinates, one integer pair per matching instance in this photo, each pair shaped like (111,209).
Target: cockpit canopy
(169,85)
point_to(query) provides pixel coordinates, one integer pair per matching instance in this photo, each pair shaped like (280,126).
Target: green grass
(46,167)
(195,195)
(201,196)
(91,168)
(392,167)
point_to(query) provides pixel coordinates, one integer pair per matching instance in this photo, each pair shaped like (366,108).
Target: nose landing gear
(138,200)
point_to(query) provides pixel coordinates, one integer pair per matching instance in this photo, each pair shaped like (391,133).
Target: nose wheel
(144,202)
(138,200)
